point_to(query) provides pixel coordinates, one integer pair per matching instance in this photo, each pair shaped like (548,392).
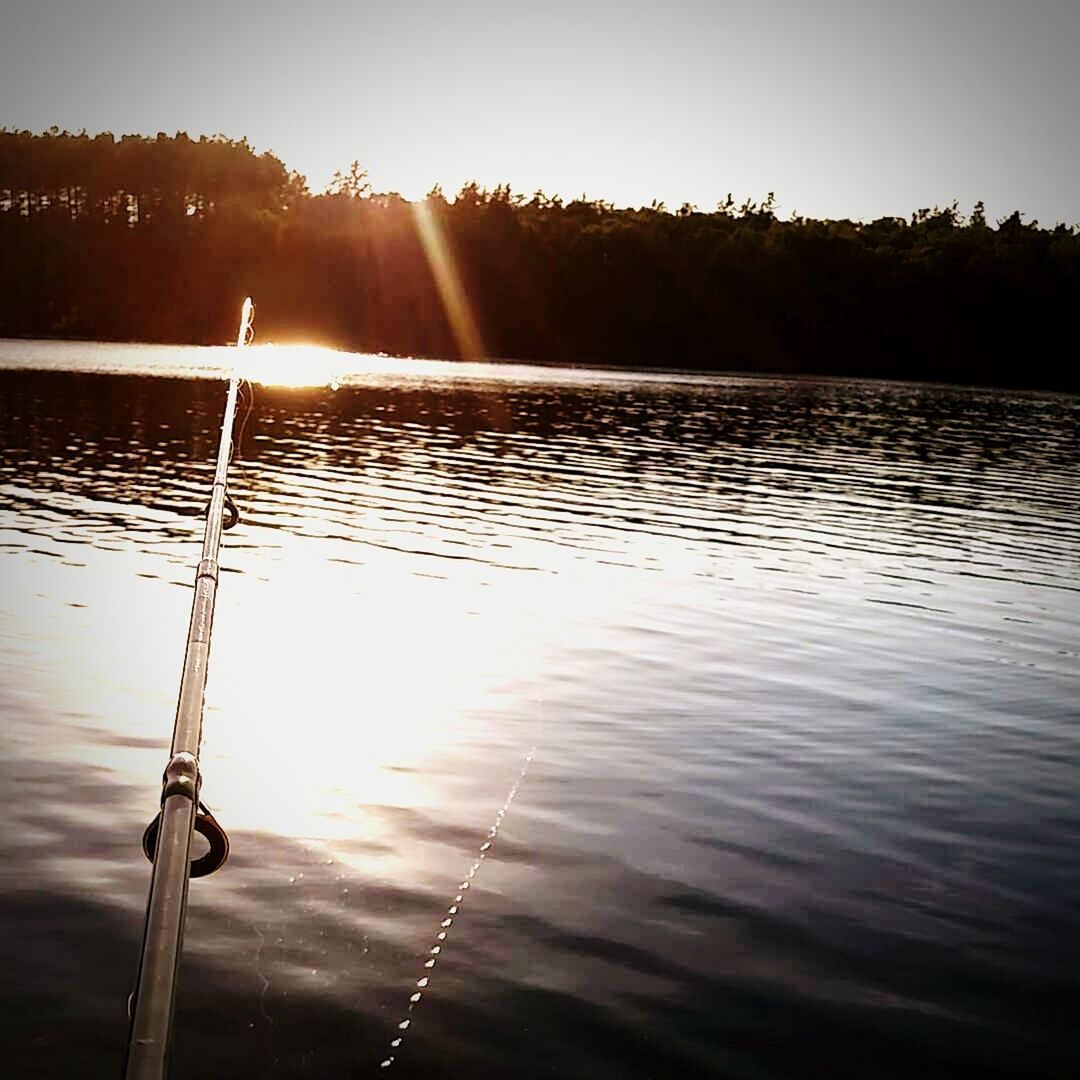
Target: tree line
(157,239)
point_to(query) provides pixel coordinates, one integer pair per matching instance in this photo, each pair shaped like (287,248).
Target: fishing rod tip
(247,314)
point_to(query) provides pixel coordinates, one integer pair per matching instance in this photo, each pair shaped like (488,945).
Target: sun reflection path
(439,941)
(380,676)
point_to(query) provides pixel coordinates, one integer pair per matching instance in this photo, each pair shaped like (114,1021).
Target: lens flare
(448,281)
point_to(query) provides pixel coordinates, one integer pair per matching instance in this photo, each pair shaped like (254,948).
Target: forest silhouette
(158,239)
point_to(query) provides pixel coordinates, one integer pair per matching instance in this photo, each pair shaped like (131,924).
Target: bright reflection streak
(293,365)
(345,684)
(448,281)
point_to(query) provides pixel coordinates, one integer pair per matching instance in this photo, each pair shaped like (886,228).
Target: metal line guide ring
(205,825)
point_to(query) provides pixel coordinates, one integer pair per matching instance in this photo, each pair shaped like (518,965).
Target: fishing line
(435,953)
(247,391)
(244,388)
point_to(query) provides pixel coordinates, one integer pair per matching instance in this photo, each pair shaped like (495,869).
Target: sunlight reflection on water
(799,660)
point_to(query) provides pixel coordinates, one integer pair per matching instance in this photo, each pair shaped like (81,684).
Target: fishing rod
(168,838)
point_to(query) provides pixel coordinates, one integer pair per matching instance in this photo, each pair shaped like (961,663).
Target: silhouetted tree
(351,184)
(157,238)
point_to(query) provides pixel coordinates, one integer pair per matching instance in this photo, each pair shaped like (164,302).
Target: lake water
(767,690)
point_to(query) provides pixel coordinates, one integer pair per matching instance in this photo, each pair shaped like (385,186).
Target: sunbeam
(448,281)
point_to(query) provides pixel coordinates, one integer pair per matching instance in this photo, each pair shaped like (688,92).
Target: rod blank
(166,909)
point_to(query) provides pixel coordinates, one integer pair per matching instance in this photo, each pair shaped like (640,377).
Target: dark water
(782,676)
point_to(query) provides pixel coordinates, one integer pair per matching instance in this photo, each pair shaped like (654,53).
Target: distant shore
(158,240)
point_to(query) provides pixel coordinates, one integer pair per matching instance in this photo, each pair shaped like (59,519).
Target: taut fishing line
(437,948)
(438,945)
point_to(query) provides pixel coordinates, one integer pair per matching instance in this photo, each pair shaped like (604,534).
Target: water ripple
(807,653)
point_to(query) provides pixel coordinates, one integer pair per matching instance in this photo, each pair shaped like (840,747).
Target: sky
(843,108)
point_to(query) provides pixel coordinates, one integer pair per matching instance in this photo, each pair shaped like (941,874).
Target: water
(782,675)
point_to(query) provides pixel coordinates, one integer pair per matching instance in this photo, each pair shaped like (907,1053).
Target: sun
(295,365)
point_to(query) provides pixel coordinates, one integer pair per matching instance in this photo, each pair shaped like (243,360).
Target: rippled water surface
(761,692)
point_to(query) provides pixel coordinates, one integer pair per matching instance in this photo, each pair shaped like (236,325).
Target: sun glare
(337,699)
(294,365)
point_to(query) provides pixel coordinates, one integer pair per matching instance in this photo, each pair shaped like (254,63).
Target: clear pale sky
(844,108)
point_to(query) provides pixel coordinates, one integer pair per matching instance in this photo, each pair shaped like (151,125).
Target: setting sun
(295,365)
